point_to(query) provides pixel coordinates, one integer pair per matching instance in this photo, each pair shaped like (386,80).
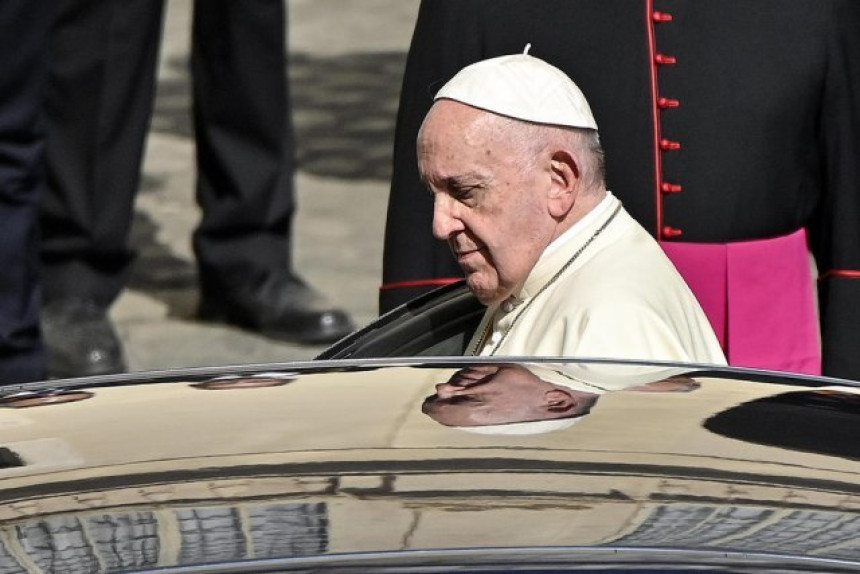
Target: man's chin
(486,297)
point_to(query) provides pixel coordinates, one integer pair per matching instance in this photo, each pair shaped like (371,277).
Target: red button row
(667,231)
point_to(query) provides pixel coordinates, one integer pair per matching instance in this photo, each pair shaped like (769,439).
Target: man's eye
(463,192)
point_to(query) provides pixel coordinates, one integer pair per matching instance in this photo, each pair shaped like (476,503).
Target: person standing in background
(100,98)
(739,141)
(23,34)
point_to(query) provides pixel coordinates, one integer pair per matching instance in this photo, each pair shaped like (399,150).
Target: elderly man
(510,152)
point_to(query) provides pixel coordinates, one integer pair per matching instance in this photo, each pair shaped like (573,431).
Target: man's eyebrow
(455,181)
(469,179)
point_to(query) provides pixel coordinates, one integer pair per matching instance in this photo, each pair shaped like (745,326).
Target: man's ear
(565,177)
(558,401)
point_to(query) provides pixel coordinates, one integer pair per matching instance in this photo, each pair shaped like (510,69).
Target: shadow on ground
(344,111)
(156,270)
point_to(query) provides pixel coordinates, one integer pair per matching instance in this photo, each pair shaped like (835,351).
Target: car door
(439,323)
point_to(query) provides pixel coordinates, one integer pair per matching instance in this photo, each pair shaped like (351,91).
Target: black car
(385,464)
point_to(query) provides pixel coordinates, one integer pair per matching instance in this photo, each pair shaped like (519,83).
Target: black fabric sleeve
(836,237)
(444,41)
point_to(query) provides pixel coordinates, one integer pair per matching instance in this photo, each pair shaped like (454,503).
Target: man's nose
(445,221)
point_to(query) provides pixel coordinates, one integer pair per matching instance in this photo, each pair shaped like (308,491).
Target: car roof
(301,461)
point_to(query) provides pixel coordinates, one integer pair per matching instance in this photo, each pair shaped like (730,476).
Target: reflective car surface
(425,465)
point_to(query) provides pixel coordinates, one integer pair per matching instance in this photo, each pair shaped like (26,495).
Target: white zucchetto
(522,87)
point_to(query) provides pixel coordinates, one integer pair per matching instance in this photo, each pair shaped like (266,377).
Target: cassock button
(661,16)
(670,232)
(667,187)
(669,145)
(664,59)
(664,103)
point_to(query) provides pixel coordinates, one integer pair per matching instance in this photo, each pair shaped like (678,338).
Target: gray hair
(532,138)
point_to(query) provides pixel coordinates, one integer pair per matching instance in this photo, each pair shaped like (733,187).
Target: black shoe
(277,305)
(80,339)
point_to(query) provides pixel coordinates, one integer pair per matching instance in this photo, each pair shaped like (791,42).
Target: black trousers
(100,97)
(23,34)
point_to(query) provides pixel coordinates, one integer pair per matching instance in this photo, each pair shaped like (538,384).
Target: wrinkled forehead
(449,121)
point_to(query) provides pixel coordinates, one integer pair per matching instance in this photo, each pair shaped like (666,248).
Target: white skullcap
(526,428)
(522,87)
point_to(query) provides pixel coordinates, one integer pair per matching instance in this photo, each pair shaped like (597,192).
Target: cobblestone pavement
(346,62)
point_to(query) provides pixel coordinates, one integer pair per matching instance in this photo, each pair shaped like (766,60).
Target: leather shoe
(80,339)
(275,304)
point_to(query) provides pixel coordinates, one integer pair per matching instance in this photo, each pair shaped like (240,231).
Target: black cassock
(722,121)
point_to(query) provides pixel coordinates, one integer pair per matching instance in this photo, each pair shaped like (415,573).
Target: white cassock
(604,289)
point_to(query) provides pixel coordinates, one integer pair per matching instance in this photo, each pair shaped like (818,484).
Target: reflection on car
(420,463)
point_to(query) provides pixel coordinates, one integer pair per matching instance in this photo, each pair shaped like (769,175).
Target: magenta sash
(759,297)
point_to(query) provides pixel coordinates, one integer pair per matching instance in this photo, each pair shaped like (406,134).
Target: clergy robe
(603,290)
